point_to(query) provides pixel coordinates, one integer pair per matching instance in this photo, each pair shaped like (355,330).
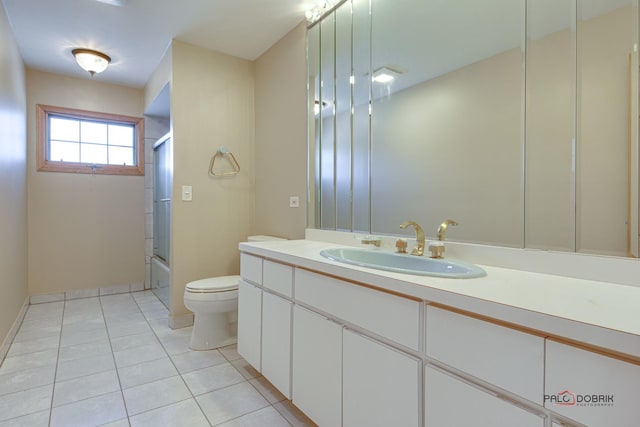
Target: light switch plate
(294,202)
(187,193)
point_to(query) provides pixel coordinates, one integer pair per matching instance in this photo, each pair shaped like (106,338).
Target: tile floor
(113,361)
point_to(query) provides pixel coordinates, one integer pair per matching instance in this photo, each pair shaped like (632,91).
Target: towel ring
(223,152)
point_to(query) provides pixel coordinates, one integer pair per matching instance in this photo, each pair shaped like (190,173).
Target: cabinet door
(381,385)
(590,388)
(249,323)
(453,403)
(276,342)
(317,367)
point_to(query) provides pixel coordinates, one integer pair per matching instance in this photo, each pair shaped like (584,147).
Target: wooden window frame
(45,165)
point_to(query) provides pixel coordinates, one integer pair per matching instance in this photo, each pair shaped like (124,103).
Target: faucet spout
(442,229)
(420,240)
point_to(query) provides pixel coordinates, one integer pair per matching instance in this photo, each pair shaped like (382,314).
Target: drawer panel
(389,316)
(251,268)
(507,358)
(278,277)
(591,388)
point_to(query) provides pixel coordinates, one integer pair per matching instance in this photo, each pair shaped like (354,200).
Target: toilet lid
(214,284)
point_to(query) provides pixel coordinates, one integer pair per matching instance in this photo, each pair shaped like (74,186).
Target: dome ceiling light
(91,60)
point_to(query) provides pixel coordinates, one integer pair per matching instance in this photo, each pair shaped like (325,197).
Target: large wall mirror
(518,119)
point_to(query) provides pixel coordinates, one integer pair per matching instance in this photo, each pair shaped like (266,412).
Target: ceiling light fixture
(91,60)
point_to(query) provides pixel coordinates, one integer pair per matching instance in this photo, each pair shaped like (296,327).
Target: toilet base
(212,330)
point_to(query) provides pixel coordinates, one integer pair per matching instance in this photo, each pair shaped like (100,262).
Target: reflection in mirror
(606,40)
(550,119)
(361,117)
(313,123)
(326,139)
(343,152)
(447,129)
(516,124)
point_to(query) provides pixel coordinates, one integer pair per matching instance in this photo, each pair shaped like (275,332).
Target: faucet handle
(401,246)
(436,249)
(371,240)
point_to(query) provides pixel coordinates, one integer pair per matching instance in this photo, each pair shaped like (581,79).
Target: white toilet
(214,303)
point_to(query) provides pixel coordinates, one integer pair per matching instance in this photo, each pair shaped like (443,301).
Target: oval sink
(402,263)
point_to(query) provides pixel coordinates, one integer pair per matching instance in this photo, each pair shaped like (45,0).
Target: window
(87,142)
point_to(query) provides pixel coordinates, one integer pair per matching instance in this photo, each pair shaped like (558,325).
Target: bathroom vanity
(353,346)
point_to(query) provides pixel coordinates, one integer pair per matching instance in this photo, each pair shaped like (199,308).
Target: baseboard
(86,293)
(4,348)
(178,322)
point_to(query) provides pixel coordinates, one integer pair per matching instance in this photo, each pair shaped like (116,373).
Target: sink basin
(403,263)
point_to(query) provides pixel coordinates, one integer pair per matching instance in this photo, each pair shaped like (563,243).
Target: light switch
(294,202)
(187,193)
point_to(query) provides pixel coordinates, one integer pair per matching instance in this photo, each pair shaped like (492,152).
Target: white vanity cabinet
(317,367)
(360,350)
(451,402)
(591,388)
(381,385)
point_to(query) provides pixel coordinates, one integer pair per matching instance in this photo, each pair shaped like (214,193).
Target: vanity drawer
(251,268)
(505,357)
(390,316)
(277,277)
(591,388)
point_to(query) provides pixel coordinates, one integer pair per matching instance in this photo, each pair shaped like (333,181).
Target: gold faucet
(442,229)
(420,240)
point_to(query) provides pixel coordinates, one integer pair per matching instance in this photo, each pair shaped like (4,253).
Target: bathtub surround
(155,128)
(13,184)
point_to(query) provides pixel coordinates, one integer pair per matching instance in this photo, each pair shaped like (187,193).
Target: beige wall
(281,137)
(13,180)
(85,231)
(212,105)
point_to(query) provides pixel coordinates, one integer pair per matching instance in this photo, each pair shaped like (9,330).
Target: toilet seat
(213,285)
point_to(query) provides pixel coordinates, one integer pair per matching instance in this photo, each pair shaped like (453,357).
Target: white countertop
(597,313)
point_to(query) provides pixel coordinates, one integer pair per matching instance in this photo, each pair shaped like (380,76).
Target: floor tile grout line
(45,385)
(174,365)
(115,366)
(270,404)
(55,372)
(229,361)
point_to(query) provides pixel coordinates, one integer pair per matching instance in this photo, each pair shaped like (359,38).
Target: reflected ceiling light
(316,12)
(386,74)
(114,2)
(91,60)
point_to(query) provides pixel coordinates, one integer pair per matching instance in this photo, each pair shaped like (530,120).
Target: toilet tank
(262,238)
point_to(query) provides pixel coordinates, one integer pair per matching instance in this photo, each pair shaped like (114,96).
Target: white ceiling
(137,34)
